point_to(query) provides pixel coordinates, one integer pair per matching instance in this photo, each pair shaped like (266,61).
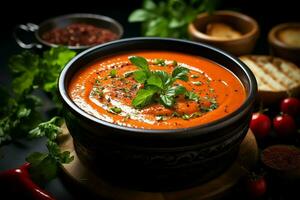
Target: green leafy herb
(143,98)
(50,129)
(169,18)
(158,85)
(160,62)
(197,83)
(44,166)
(186,116)
(192,96)
(113,73)
(115,110)
(194,76)
(140,62)
(180,73)
(19,109)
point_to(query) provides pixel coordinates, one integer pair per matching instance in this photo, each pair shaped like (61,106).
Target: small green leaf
(113,73)
(115,110)
(140,15)
(180,73)
(197,83)
(43,170)
(167,100)
(140,76)
(24,82)
(149,5)
(179,90)
(23,112)
(65,157)
(164,76)
(143,98)
(155,81)
(194,76)
(160,62)
(186,116)
(192,96)
(140,62)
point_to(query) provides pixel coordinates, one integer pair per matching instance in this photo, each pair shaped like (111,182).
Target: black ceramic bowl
(157,160)
(63,21)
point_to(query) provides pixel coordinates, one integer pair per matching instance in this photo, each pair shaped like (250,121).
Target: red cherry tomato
(260,125)
(290,106)
(284,125)
(256,187)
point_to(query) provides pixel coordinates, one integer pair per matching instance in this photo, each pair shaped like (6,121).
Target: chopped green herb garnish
(160,62)
(115,110)
(194,76)
(127,74)
(192,96)
(113,73)
(159,118)
(186,116)
(197,83)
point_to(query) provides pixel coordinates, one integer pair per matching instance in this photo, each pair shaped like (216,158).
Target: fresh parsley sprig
(158,85)
(44,166)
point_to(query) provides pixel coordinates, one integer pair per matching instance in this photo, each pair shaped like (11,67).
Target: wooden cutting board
(213,189)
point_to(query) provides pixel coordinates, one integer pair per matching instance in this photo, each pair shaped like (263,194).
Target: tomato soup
(156,90)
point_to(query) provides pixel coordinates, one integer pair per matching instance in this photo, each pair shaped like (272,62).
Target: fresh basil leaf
(180,73)
(164,76)
(155,81)
(179,90)
(140,62)
(149,5)
(191,96)
(143,98)
(140,15)
(140,76)
(175,91)
(167,100)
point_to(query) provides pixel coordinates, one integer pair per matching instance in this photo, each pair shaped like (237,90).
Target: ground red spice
(281,157)
(79,34)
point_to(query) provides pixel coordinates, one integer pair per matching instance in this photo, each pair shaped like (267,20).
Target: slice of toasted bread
(222,31)
(276,77)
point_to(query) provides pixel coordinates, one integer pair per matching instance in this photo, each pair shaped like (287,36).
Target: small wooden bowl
(281,49)
(242,23)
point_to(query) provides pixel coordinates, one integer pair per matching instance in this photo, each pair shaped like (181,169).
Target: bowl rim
(198,34)
(274,40)
(190,131)
(78,15)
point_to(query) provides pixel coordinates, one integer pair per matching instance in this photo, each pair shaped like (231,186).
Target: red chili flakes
(79,34)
